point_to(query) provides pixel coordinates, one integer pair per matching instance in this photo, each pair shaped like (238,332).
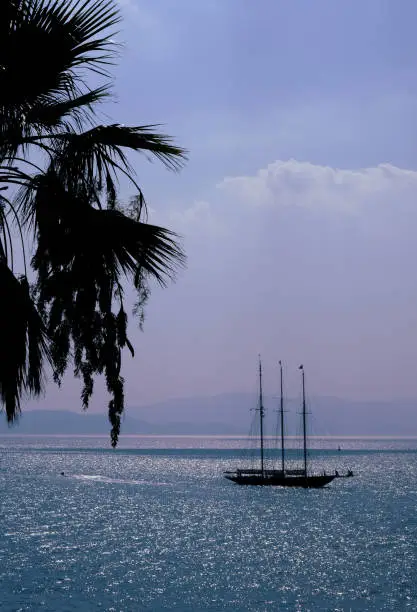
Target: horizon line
(214,436)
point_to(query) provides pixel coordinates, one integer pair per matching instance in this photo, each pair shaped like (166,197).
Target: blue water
(155,526)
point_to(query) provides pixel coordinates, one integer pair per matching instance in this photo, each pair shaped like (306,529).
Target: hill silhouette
(230,414)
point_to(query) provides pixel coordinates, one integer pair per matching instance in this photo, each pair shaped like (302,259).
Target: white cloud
(291,197)
(197,221)
(198,218)
(294,183)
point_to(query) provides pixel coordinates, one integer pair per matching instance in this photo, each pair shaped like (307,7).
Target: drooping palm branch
(75,312)
(24,343)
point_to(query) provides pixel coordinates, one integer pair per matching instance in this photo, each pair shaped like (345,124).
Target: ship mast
(281,410)
(261,416)
(304,420)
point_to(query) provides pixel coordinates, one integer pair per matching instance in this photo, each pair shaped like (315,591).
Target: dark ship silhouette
(283,477)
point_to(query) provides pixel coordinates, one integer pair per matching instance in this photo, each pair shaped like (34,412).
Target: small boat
(284,477)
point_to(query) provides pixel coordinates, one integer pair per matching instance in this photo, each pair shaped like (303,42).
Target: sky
(298,205)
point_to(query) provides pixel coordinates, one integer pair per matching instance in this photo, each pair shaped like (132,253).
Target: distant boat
(283,477)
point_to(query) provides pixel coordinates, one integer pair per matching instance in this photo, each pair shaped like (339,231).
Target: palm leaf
(64,38)
(112,139)
(100,152)
(80,280)
(54,112)
(23,342)
(66,221)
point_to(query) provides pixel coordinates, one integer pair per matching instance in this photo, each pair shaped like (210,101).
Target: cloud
(300,231)
(294,183)
(304,201)
(303,231)
(198,219)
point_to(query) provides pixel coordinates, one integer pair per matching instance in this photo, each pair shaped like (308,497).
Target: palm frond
(6,205)
(117,137)
(101,152)
(64,39)
(6,245)
(79,280)
(65,223)
(23,342)
(52,112)
(97,157)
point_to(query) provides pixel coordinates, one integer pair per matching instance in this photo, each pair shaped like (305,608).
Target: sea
(154,525)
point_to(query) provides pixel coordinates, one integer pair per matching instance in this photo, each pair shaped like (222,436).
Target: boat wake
(107,480)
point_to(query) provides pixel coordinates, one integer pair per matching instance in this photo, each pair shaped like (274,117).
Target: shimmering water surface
(155,526)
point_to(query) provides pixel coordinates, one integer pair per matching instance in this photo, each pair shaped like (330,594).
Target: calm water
(155,526)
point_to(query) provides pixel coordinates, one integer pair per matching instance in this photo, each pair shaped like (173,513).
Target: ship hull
(305,482)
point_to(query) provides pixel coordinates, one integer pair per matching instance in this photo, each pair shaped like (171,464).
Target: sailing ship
(284,477)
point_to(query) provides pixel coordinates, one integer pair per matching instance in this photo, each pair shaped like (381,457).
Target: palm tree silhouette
(59,175)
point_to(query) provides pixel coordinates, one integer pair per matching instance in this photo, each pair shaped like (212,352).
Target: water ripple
(130,532)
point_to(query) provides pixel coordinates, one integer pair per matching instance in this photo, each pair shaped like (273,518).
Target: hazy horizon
(233,414)
(42,404)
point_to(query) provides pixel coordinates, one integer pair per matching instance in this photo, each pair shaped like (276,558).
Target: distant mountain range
(48,422)
(230,414)
(329,415)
